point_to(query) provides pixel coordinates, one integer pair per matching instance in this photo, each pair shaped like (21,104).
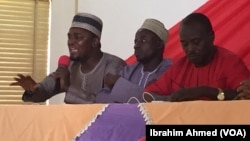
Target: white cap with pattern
(89,22)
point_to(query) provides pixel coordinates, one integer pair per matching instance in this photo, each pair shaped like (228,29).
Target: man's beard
(74,59)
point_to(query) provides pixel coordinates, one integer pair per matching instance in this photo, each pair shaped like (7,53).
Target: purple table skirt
(119,122)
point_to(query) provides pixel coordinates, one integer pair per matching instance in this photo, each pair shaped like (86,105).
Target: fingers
(61,69)
(246,91)
(240,88)
(246,97)
(238,97)
(21,76)
(60,72)
(17,79)
(28,76)
(242,96)
(245,83)
(23,81)
(245,94)
(62,66)
(14,84)
(244,87)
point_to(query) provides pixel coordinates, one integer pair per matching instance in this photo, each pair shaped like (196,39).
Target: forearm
(37,96)
(45,90)
(212,93)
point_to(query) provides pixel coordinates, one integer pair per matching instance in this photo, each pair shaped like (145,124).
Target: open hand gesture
(26,82)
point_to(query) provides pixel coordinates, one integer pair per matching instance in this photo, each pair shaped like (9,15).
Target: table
(77,122)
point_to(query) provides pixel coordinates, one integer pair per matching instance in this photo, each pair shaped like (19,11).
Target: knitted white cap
(156,27)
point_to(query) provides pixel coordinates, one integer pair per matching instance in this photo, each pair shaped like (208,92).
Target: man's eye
(184,44)
(77,37)
(140,41)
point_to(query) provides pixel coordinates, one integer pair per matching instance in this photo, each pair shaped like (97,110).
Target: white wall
(62,12)
(121,19)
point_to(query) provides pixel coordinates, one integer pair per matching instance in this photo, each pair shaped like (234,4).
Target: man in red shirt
(206,71)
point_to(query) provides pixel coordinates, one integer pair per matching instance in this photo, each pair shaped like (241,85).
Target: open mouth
(73,50)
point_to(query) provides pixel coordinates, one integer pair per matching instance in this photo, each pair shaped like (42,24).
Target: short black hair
(198,18)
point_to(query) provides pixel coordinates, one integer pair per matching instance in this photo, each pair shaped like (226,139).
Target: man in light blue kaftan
(128,86)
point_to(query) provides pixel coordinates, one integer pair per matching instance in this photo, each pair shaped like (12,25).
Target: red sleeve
(237,72)
(161,86)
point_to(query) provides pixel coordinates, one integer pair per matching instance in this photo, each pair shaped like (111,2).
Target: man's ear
(211,36)
(160,44)
(96,42)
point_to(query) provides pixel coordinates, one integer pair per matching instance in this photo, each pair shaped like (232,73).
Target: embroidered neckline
(148,74)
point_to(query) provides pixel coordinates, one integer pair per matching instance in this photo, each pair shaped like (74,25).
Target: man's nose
(190,48)
(137,45)
(71,41)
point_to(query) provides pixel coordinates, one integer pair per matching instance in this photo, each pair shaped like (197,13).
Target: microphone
(64,61)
